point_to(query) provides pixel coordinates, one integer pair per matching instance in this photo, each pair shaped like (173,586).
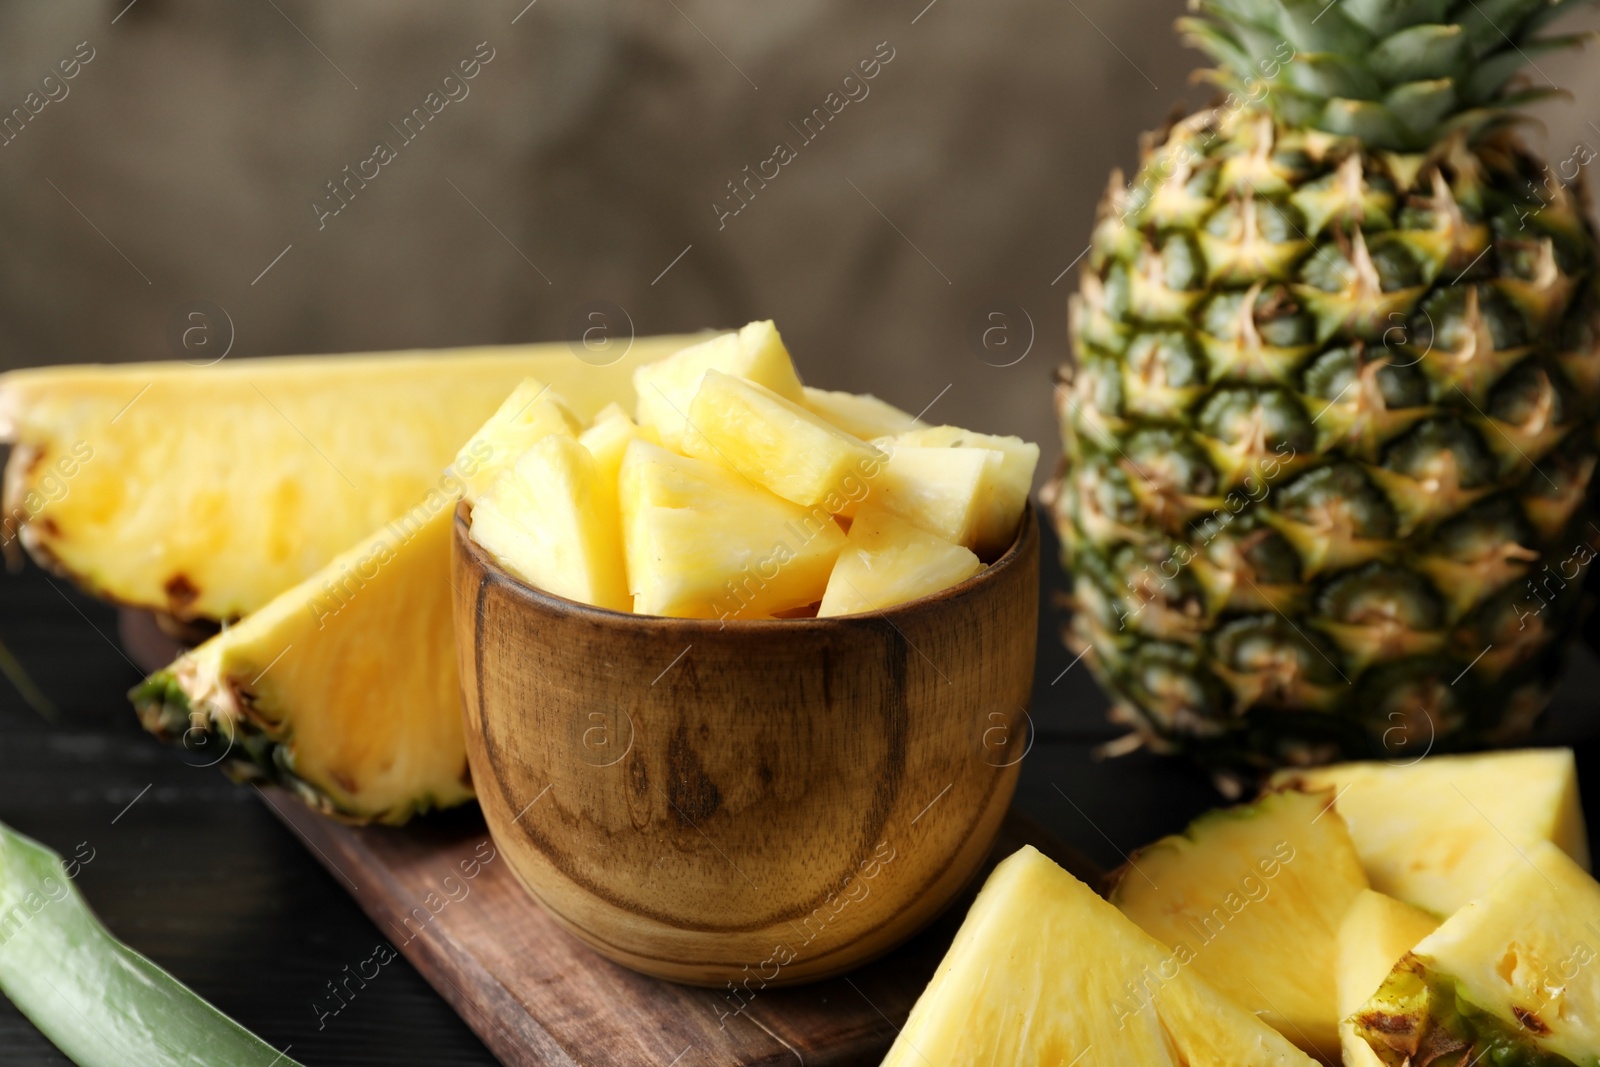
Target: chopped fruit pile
(739,493)
(1255,931)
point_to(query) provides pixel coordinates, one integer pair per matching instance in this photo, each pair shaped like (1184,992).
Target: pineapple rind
(343,689)
(1376,934)
(1325,492)
(1512,974)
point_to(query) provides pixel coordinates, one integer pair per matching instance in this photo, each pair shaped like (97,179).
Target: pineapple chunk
(666,389)
(777,444)
(1376,933)
(1254,896)
(702,542)
(531,412)
(861,414)
(1513,977)
(553,521)
(607,441)
(207,491)
(1442,831)
(942,490)
(1008,487)
(1044,972)
(887,561)
(342,688)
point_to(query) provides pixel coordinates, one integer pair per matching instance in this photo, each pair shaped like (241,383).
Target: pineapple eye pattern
(1388,314)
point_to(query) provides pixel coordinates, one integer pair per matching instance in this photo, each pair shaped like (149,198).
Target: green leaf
(1489,78)
(1372,123)
(1421,53)
(100,1002)
(1489,24)
(1328,74)
(1421,106)
(1319,26)
(1215,42)
(1383,17)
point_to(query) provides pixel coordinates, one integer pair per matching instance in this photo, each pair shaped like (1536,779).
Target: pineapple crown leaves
(1399,75)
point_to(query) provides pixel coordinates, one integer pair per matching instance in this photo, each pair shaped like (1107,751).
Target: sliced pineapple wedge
(342,688)
(701,541)
(1044,972)
(1008,485)
(943,490)
(1511,978)
(778,444)
(1253,897)
(887,561)
(1377,932)
(1442,831)
(203,492)
(532,411)
(553,521)
(666,388)
(861,414)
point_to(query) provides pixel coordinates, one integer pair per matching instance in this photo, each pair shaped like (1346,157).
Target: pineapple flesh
(943,490)
(703,542)
(1512,978)
(1440,832)
(1008,484)
(531,413)
(777,444)
(203,492)
(1328,432)
(553,520)
(1376,934)
(861,414)
(887,561)
(343,688)
(1252,898)
(666,388)
(1044,972)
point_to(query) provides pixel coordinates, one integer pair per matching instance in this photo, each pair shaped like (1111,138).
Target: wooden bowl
(758,803)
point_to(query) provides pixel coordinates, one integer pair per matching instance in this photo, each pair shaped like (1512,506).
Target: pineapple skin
(1509,979)
(343,689)
(1328,437)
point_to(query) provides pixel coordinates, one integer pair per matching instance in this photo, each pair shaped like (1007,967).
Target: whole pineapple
(1330,427)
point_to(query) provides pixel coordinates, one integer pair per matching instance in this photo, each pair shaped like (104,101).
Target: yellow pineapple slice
(203,492)
(1043,973)
(861,414)
(1440,832)
(667,388)
(342,688)
(778,444)
(1377,931)
(553,521)
(887,561)
(942,490)
(702,542)
(1254,897)
(1513,977)
(1008,486)
(531,412)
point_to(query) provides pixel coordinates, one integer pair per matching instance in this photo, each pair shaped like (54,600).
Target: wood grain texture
(537,995)
(761,802)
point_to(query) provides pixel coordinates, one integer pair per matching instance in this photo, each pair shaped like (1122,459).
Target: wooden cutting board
(537,995)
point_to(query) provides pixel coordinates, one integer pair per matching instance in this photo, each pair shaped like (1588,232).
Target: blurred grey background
(183,160)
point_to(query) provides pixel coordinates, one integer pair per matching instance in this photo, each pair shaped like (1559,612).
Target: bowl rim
(1023,546)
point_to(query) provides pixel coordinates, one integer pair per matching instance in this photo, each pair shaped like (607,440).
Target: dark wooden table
(194,872)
